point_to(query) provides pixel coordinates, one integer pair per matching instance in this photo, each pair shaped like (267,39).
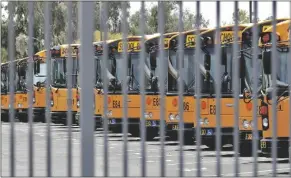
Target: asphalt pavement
(153,165)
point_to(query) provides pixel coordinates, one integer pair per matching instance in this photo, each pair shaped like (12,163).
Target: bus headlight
(109,113)
(171,117)
(177,117)
(206,121)
(78,103)
(251,123)
(265,122)
(146,115)
(33,100)
(19,105)
(150,115)
(52,102)
(201,121)
(245,124)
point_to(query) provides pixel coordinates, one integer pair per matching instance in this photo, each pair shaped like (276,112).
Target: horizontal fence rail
(144,95)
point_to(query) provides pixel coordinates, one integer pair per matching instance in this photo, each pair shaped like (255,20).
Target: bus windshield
(282,67)
(188,72)
(116,65)
(41,76)
(249,70)
(60,70)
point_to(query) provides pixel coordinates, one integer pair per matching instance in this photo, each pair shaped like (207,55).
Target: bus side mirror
(65,65)
(36,67)
(129,61)
(223,56)
(260,56)
(267,62)
(153,60)
(242,66)
(207,61)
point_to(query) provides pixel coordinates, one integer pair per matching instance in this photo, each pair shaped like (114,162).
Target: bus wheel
(150,136)
(135,133)
(245,149)
(210,144)
(4,118)
(23,118)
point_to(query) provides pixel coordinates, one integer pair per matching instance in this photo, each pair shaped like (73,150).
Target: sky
(208,9)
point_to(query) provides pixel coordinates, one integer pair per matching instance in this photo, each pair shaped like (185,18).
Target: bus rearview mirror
(207,61)
(129,61)
(36,67)
(153,60)
(267,62)
(223,56)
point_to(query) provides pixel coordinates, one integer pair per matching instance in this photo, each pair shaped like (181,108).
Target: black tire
(210,144)
(188,140)
(135,132)
(22,118)
(151,135)
(4,118)
(245,149)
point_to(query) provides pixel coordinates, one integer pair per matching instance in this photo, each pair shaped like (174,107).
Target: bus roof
(226,33)
(188,36)
(154,41)
(282,31)
(62,50)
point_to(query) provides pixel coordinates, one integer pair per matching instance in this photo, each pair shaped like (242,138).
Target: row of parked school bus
(59,90)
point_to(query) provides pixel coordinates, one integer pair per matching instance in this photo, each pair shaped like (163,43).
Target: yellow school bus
(245,119)
(98,90)
(282,97)
(59,90)
(20,98)
(208,118)
(115,96)
(172,98)
(39,77)
(152,99)
(39,91)
(4,92)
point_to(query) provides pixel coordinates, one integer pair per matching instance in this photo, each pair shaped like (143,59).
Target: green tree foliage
(243,17)
(4,55)
(171,19)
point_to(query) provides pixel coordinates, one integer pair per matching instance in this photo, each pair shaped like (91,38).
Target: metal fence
(87,75)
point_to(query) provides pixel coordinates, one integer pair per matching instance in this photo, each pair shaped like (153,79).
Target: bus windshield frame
(59,72)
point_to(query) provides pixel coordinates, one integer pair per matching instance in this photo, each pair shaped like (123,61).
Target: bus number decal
(65,51)
(186,106)
(156,102)
(190,40)
(212,109)
(166,42)
(131,46)
(116,104)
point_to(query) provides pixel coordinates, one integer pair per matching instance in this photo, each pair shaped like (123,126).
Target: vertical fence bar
(162,62)
(181,88)
(70,83)
(217,90)
(11,56)
(30,86)
(250,10)
(198,90)
(255,140)
(86,69)
(274,91)
(47,18)
(236,89)
(289,82)
(142,90)
(124,90)
(104,28)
